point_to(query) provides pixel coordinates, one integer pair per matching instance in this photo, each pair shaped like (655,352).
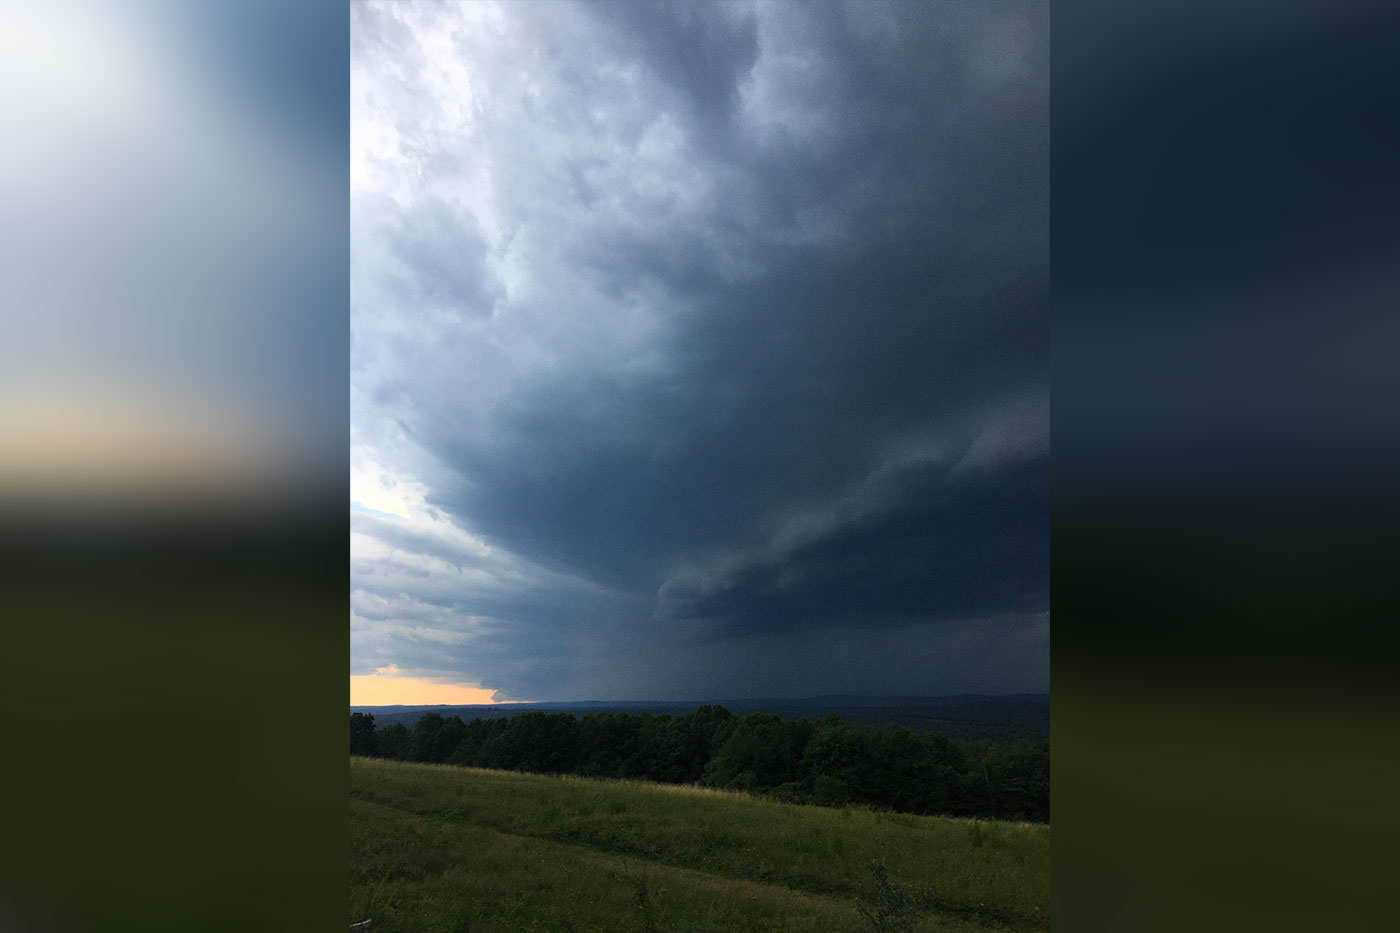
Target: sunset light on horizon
(387,687)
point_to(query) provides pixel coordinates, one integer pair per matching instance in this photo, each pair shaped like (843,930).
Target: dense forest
(966,717)
(826,762)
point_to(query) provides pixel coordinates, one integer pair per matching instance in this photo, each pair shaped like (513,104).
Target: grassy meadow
(442,848)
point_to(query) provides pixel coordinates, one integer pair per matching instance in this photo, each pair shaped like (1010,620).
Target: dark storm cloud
(781,385)
(781,395)
(938,548)
(749,334)
(700,51)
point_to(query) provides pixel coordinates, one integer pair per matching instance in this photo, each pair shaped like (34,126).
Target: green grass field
(439,848)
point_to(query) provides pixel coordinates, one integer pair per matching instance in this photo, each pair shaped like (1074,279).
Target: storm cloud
(702,349)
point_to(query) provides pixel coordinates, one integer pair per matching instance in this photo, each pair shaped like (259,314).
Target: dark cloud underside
(727,321)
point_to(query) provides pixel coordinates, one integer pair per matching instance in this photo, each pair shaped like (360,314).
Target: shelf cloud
(701,349)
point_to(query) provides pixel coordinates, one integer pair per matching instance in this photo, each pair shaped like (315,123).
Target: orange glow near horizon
(387,687)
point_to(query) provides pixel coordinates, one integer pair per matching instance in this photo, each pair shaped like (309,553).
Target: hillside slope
(439,848)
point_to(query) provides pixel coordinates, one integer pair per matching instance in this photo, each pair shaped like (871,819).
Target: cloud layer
(701,349)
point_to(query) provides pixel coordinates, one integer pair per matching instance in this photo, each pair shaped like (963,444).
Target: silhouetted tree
(362,734)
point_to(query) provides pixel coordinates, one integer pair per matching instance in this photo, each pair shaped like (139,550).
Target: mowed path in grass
(440,848)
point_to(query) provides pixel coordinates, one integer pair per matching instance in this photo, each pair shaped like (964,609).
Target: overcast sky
(700,351)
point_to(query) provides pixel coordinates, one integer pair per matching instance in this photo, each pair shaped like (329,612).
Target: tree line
(826,762)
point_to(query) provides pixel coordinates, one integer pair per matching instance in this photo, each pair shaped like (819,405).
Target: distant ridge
(825,700)
(966,716)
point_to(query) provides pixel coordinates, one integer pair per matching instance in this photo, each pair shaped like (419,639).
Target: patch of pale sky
(374,484)
(388,686)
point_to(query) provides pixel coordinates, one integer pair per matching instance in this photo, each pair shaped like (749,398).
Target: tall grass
(442,848)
